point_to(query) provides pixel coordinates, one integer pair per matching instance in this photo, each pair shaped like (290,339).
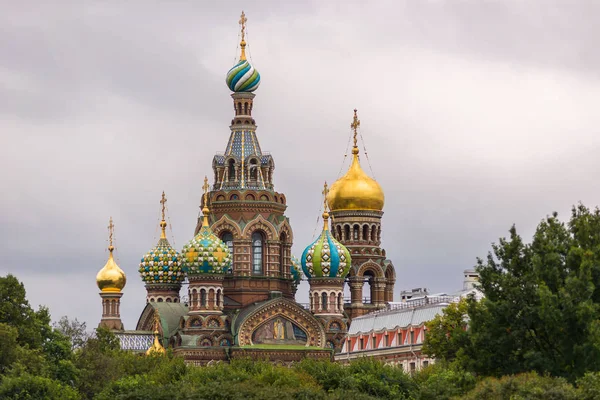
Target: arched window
(218,298)
(202,298)
(231,170)
(339,233)
(253,170)
(227,237)
(324,301)
(257,253)
(347,232)
(355,235)
(316,302)
(282,251)
(365,234)
(340,301)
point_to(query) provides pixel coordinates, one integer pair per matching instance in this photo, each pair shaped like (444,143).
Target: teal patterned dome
(206,253)
(326,257)
(243,77)
(296,270)
(162,264)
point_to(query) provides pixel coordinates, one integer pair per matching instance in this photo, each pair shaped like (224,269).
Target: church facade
(242,278)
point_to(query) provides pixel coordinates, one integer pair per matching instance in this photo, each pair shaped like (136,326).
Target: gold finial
(163,223)
(111,228)
(205,209)
(157,347)
(354,125)
(325,210)
(242,22)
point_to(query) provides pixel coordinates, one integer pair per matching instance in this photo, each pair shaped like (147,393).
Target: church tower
(356,201)
(246,211)
(111,280)
(326,263)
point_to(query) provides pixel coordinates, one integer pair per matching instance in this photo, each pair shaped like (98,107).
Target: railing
(417,303)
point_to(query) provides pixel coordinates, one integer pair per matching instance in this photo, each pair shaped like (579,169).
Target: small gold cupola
(111,278)
(355,190)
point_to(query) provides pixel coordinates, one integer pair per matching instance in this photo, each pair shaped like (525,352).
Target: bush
(439,382)
(526,386)
(589,386)
(28,386)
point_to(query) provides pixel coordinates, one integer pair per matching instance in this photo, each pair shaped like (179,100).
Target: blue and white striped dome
(243,77)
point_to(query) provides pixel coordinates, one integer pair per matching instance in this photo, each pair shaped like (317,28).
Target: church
(240,274)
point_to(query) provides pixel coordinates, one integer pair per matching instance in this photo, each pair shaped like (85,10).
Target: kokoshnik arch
(241,275)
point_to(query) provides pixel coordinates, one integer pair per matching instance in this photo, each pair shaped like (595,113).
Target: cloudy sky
(476,115)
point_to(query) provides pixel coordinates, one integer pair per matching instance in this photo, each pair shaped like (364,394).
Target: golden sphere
(355,190)
(111,278)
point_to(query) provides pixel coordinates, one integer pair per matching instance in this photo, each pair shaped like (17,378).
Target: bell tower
(246,211)
(356,202)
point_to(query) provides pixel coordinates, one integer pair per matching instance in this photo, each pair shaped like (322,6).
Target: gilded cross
(325,191)
(243,20)
(354,125)
(205,187)
(163,200)
(111,228)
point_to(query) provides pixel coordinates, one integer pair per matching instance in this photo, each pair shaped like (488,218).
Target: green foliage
(8,350)
(15,311)
(74,330)
(588,386)
(32,387)
(527,386)
(440,382)
(447,333)
(542,306)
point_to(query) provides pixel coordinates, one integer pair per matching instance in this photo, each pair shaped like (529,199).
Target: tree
(447,333)
(74,330)
(15,311)
(541,309)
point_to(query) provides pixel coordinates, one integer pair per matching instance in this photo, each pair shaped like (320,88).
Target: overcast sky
(476,115)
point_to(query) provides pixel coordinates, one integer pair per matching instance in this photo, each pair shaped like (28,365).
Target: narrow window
(231,170)
(355,236)
(362,344)
(227,237)
(412,337)
(324,301)
(257,253)
(374,342)
(202,298)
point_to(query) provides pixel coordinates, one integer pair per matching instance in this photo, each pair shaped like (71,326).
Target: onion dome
(243,77)
(206,253)
(355,190)
(296,270)
(162,264)
(111,278)
(326,257)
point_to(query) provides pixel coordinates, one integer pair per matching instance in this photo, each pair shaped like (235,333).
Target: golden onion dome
(111,278)
(355,190)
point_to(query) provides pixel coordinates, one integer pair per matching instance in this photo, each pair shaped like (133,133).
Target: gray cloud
(475,116)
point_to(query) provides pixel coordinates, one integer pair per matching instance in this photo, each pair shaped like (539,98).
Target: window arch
(355,233)
(253,170)
(257,253)
(231,170)
(227,237)
(324,301)
(365,235)
(203,298)
(347,232)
